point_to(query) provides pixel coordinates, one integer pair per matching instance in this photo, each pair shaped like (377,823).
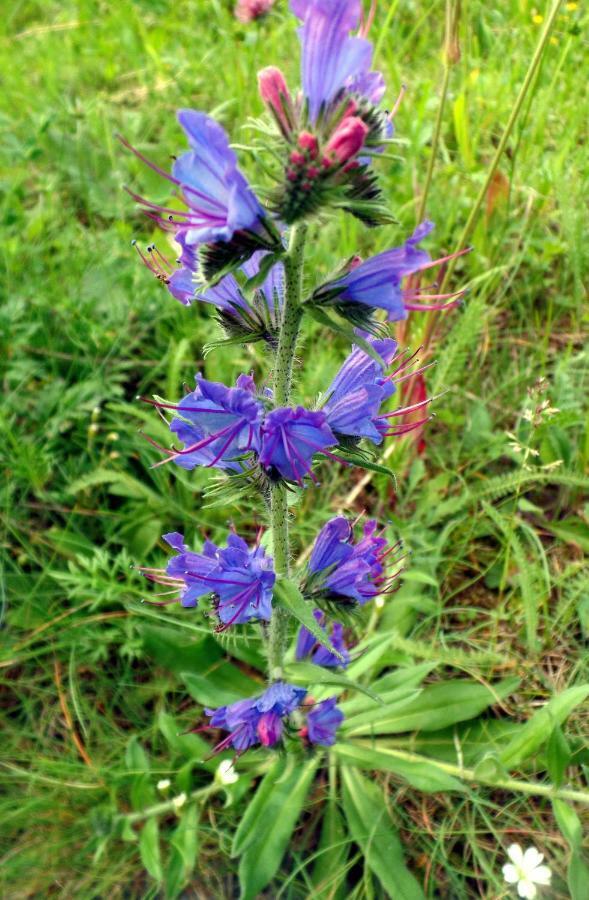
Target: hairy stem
(287,343)
(509,784)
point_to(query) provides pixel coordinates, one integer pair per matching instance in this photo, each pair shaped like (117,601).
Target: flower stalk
(282,382)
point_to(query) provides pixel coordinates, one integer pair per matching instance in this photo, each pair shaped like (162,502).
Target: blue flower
(221,206)
(217,424)
(241,580)
(333,62)
(290,438)
(377,283)
(344,571)
(356,394)
(257,719)
(323,721)
(307,645)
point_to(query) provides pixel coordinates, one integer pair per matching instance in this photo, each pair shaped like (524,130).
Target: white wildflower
(525,870)
(179,801)
(164,784)
(225,773)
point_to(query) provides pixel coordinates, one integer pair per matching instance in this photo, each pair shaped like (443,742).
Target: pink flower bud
(308,141)
(275,94)
(248,10)
(297,159)
(347,139)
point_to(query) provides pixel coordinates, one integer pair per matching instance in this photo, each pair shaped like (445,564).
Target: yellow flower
(537,19)
(571,7)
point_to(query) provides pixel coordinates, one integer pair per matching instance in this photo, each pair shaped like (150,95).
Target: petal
(531,859)
(527,889)
(510,873)
(515,854)
(542,875)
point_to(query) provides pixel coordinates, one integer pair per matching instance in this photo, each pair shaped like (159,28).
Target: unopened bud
(275,94)
(296,158)
(347,139)
(308,141)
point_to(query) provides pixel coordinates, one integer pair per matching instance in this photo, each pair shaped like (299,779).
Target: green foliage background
(93,702)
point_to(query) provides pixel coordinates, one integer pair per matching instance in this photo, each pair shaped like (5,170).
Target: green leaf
(332,320)
(288,595)
(257,280)
(436,706)
(558,755)
(372,829)
(149,848)
(489,768)
(395,685)
(173,650)
(329,871)
(220,684)
(541,724)
(424,774)
(578,877)
(183,851)
(364,463)
(264,833)
(137,763)
(189,746)
(307,673)
(569,823)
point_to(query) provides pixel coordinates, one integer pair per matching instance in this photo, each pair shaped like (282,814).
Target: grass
(494,509)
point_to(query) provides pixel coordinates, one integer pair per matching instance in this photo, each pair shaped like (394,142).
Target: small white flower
(525,871)
(379,602)
(225,773)
(164,784)
(179,801)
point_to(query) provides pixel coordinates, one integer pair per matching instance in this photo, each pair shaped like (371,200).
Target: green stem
(509,784)
(451,25)
(168,805)
(282,381)
(517,107)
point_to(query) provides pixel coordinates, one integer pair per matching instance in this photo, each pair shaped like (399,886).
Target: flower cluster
(347,572)
(239,579)
(233,428)
(244,258)
(263,719)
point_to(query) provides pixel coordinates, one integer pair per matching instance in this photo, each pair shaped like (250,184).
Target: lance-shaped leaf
(266,828)
(288,596)
(372,829)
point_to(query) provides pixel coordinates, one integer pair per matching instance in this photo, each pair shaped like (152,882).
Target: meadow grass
(494,510)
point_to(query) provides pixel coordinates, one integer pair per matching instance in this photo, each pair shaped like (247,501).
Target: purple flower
(342,570)
(257,719)
(290,438)
(333,62)
(253,319)
(377,283)
(217,424)
(323,721)
(356,394)
(241,580)
(307,645)
(221,206)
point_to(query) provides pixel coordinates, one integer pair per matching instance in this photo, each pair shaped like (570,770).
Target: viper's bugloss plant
(244,256)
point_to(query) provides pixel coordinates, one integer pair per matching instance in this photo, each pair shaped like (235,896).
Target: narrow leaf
(372,829)
(288,595)
(149,848)
(536,729)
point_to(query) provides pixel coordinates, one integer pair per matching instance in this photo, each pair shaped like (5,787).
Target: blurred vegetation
(494,509)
